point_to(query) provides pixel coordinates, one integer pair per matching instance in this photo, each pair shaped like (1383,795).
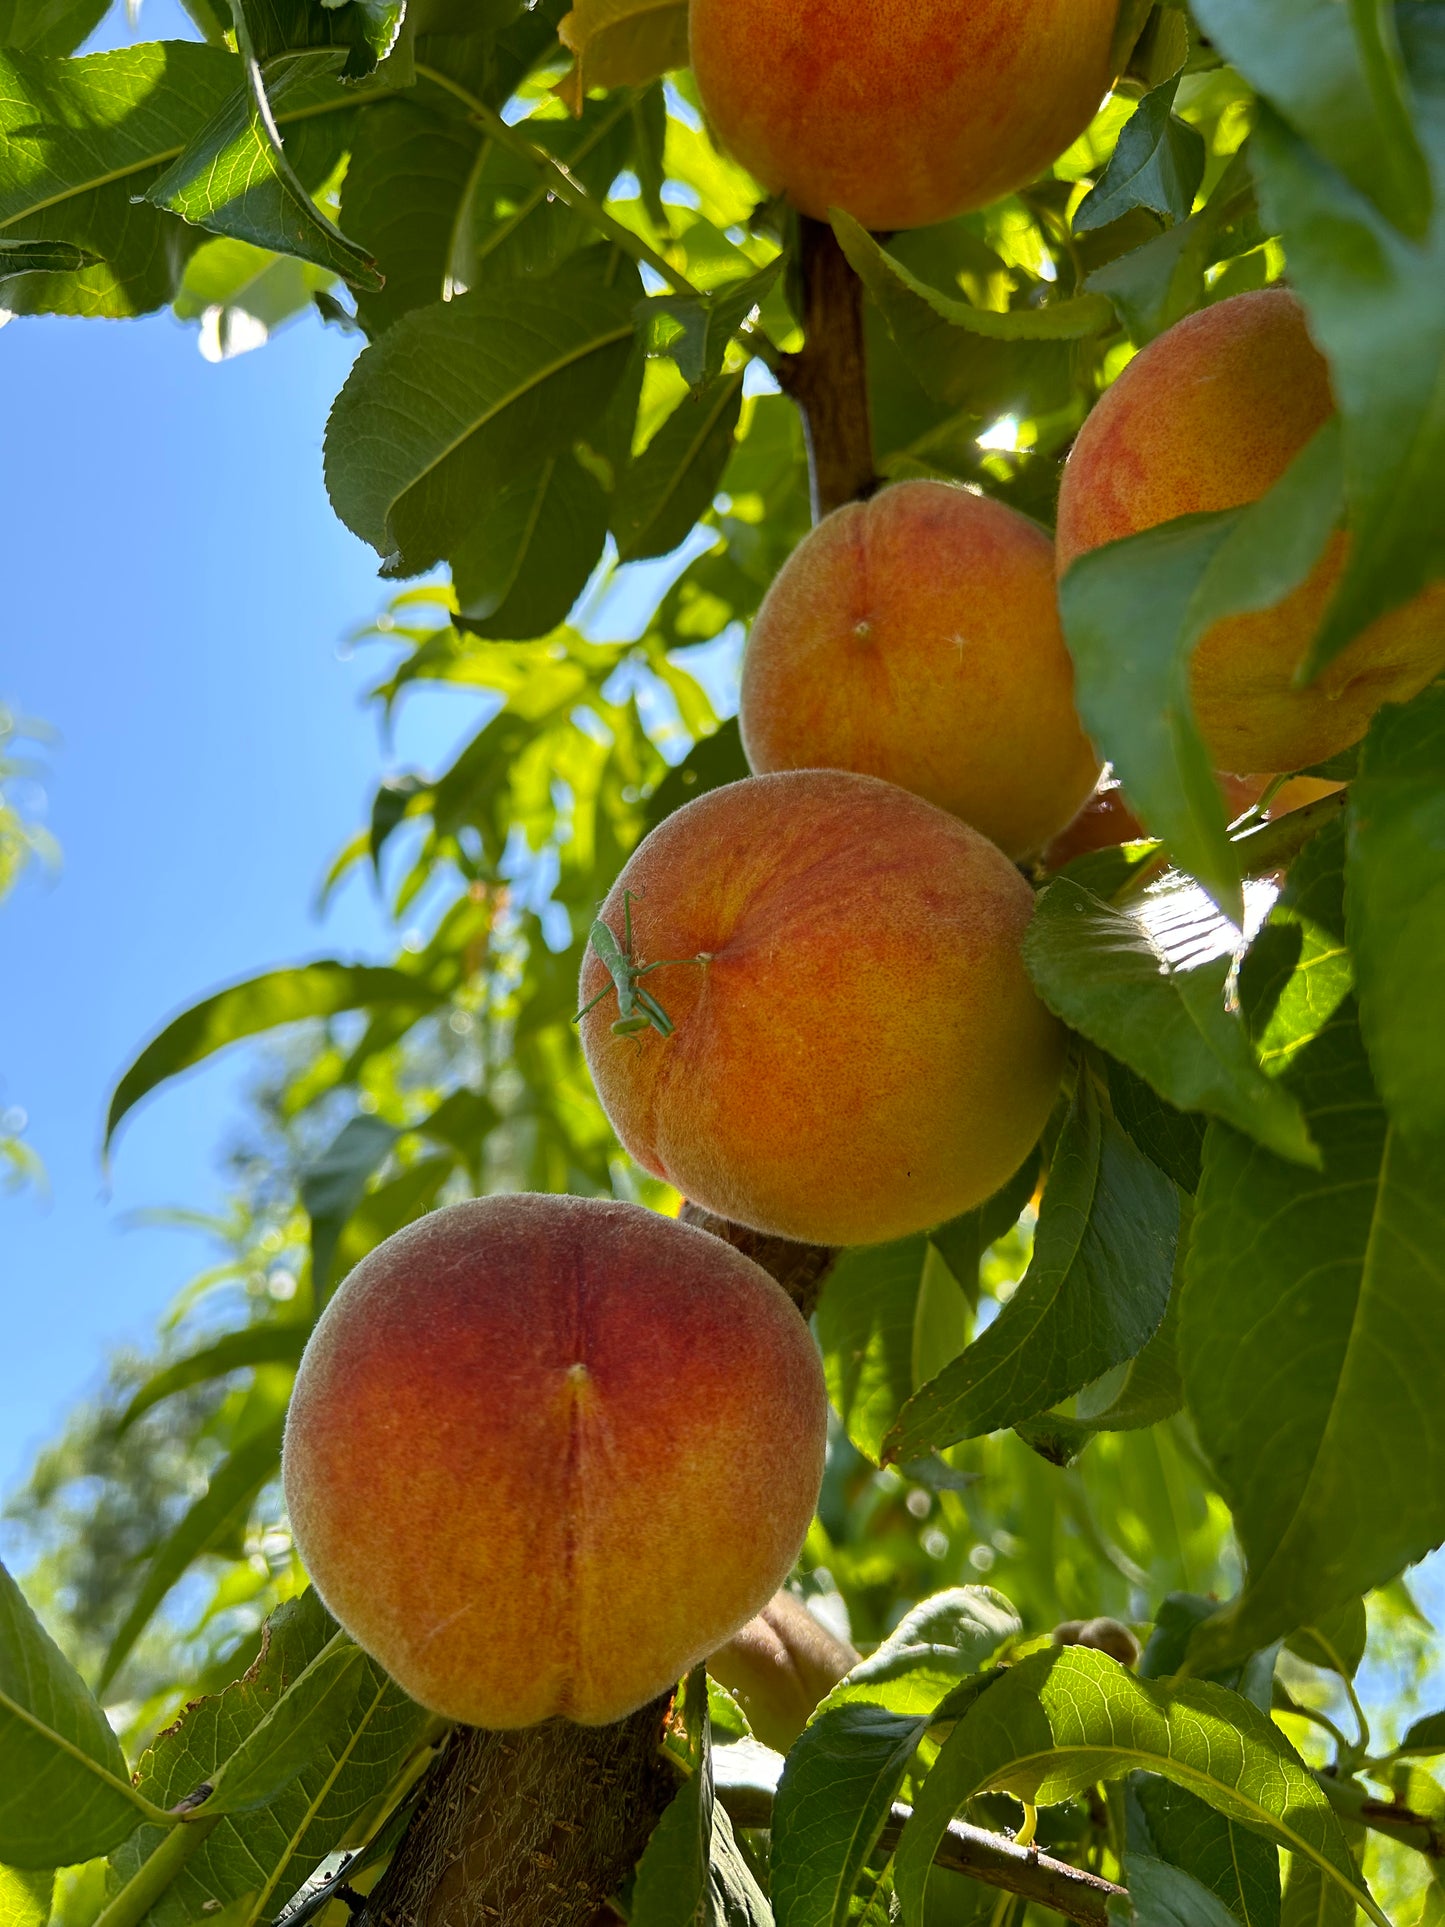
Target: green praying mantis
(637,1009)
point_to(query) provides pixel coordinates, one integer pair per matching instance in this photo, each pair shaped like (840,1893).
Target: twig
(828,377)
(1390,1817)
(986,1857)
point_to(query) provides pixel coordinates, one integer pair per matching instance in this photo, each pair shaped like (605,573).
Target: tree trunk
(828,378)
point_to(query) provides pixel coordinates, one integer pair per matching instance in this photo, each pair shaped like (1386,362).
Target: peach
(860,1054)
(916,637)
(903,112)
(546,1453)
(779,1666)
(1209,417)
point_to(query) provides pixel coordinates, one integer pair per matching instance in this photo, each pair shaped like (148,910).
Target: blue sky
(177,591)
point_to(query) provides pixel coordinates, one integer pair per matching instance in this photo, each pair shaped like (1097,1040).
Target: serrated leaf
(865,1327)
(1158,283)
(1161,1895)
(959,352)
(1157,163)
(333,1185)
(836,1792)
(235,177)
(1395,908)
(1376,303)
(229,1494)
(1097,968)
(66,1794)
(1239,1866)
(259,1004)
(80,141)
(1094,1294)
(664,491)
(1059,1721)
(694,330)
(365,30)
(1310,1339)
(271,1343)
(1173,1139)
(311,1717)
(435,415)
(625,43)
(1335,74)
(523,566)
(941,1642)
(269,1852)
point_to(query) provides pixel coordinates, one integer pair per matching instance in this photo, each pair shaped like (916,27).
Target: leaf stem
(146,1885)
(157,1815)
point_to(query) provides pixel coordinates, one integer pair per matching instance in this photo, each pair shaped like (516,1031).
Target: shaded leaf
(865,1327)
(1238,1865)
(311,1717)
(933,1648)
(365,30)
(694,330)
(625,43)
(1337,1643)
(1097,968)
(1161,1895)
(49,26)
(436,414)
(1061,1720)
(1173,1139)
(1395,908)
(1154,285)
(272,1343)
(66,1793)
(672,1875)
(333,1185)
(43,257)
(1094,1293)
(1157,163)
(664,491)
(519,571)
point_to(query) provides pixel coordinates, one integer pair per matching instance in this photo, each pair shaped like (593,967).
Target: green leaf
(236,178)
(1376,305)
(334,1184)
(49,26)
(1173,1139)
(1148,1388)
(80,141)
(1335,74)
(1158,163)
(1157,284)
(1426,1736)
(941,1642)
(519,571)
(1094,1293)
(1310,1900)
(311,1717)
(1337,1643)
(25,1896)
(1238,1865)
(625,43)
(259,1004)
(272,1343)
(66,1793)
(1161,1895)
(366,30)
(436,413)
(836,1792)
(1097,968)
(43,257)
(1395,908)
(229,1494)
(269,1852)
(1310,1340)
(735,1898)
(664,491)
(694,329)
(865,1327)
(711,762)
(1061,1720)
(957,351)
(672,1875)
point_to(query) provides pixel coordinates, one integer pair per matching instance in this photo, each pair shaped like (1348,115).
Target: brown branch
(828,378)
(528,1829)
(986,1857)
(1391,1817)
(799,1269)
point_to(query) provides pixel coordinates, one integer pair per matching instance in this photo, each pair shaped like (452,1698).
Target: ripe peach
(903,112)
(916,637)
(1209,417)
(545,1453)
(779,1666)
(861,1054)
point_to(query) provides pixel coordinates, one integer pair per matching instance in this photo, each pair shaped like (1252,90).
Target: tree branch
(528,1829)
(1401,1823)
(799,1269)
(986,1857)
(828,378)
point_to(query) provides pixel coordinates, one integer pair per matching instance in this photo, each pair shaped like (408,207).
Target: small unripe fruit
(545,1453)
(902,112)
(861,1054)
(916,637)
(1209,417)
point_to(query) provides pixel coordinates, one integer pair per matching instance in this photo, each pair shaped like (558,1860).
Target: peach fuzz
(861,1054)
(916,637)
(546,1453)
(902,112)
(1208,417)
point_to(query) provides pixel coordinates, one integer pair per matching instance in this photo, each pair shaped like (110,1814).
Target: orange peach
(1209,417)
(916,637)
(860,1054)
(903,112)
(546,1453)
